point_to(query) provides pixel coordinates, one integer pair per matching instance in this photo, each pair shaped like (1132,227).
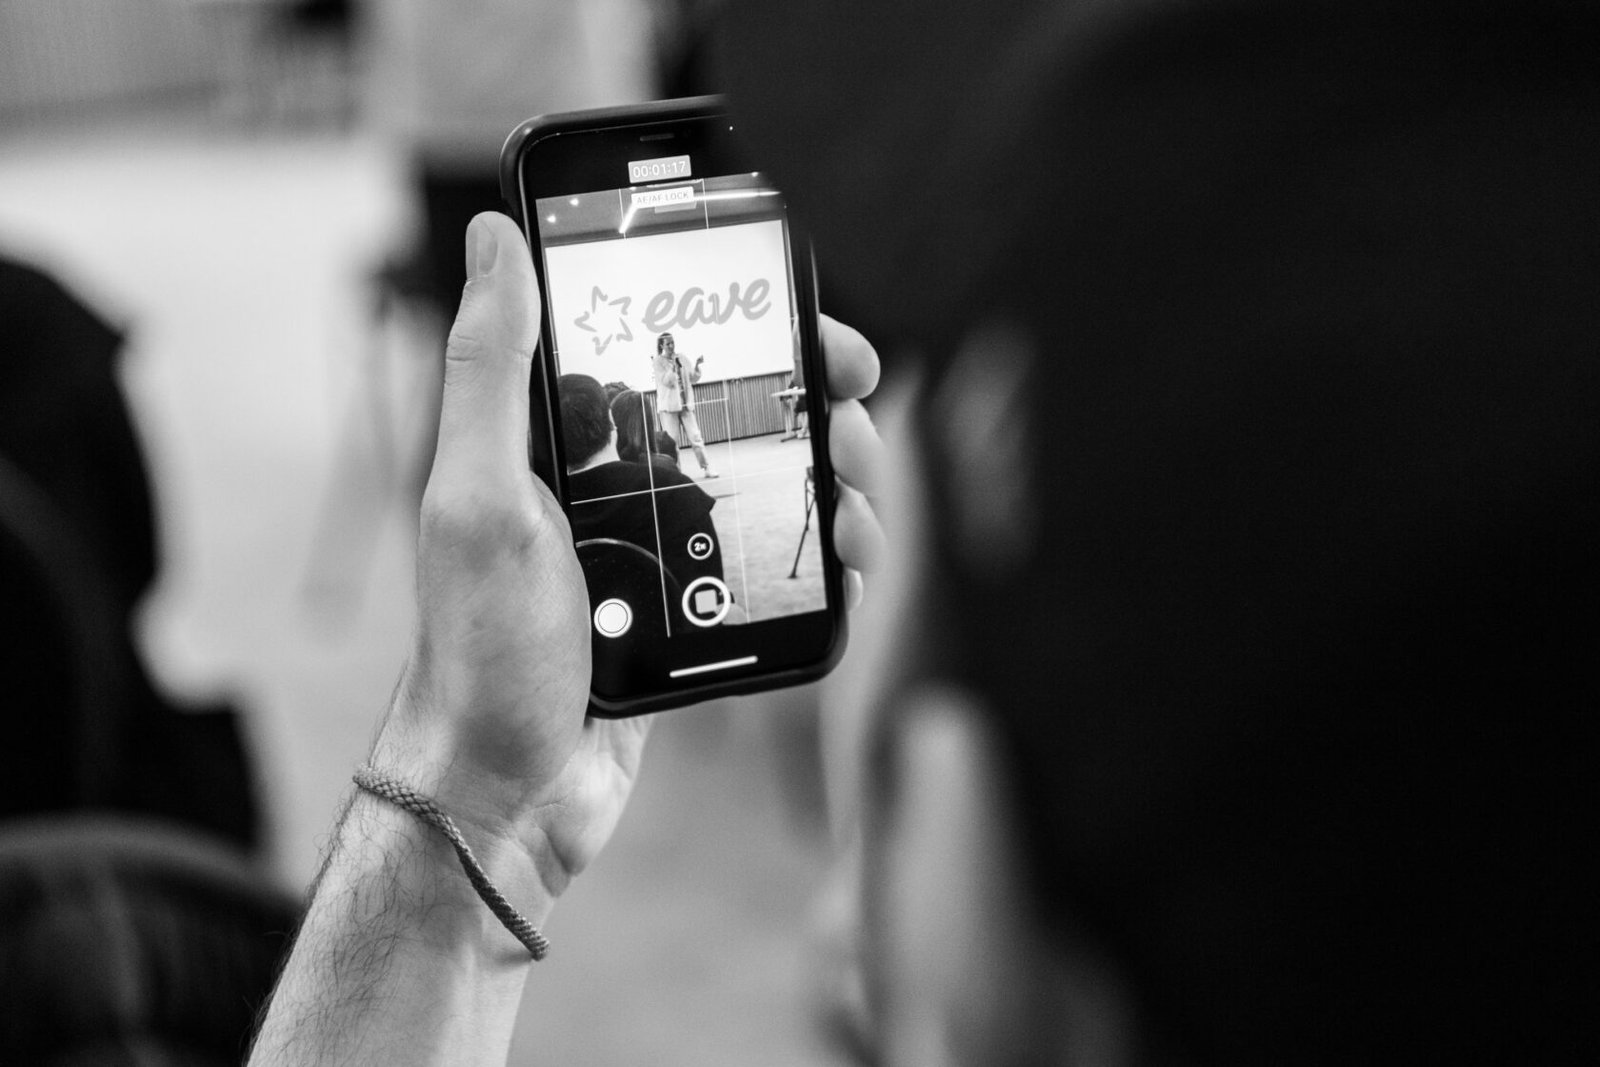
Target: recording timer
(668,168)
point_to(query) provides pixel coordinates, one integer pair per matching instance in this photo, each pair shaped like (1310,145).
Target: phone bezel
(575,152)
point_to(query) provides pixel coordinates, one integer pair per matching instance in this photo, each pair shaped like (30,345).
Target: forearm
(398,961)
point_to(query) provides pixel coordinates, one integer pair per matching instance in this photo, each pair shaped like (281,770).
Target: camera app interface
(683,412)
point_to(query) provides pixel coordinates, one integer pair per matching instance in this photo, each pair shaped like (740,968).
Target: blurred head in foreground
(1242,705)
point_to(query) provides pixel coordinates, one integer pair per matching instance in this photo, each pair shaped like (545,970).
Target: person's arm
(398,961)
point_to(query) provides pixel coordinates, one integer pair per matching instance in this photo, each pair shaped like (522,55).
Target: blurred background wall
(79,53)
(238,188)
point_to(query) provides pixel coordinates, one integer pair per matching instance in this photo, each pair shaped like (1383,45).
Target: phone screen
(683,436)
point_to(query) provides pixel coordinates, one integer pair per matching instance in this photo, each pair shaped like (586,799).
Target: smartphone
(679,345)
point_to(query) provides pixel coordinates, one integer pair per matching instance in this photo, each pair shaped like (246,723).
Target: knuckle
(482,526)
(467,517)
(486,331)
(470,350)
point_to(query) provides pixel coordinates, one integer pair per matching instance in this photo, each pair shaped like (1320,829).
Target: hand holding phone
(490,714)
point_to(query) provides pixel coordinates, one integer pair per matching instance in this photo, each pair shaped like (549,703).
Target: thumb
(484,415)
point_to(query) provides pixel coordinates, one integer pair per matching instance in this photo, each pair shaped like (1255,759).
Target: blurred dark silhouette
(86,729)
(1288,630)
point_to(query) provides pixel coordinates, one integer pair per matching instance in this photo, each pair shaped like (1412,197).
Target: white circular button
(613,618)
(706,601)
(700,546)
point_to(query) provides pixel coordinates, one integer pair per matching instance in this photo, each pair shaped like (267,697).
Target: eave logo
(723,292)
(607,319)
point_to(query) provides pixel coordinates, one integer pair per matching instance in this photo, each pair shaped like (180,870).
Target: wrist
(514,765)
(415,878)
(496,814)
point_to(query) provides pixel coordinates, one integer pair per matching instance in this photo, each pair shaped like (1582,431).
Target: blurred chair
(129,941)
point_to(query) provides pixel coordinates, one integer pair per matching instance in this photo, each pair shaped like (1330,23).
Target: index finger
(851,361)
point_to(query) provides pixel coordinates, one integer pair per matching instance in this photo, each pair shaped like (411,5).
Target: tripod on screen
(811,502)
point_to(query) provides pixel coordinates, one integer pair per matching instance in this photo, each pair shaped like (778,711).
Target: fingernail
(483,248)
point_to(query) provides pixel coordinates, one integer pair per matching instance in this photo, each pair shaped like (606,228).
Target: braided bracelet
(380,784)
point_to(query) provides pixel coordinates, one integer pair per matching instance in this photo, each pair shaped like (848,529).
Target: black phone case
(542,450)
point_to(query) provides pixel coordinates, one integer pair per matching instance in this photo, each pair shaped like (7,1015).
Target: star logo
(607,319)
